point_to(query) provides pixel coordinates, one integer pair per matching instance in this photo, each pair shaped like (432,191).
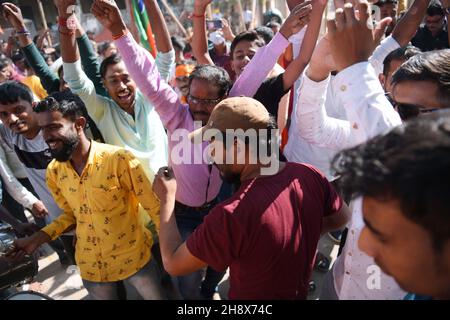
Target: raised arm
(141,66)
(69,49)
(159,27)
(74,75)
(49,80)
(165,58)
(402,34)
(314,125)
(298,65)
(89,60)
(265,59)
(357,86)
(407,27)
(199,40)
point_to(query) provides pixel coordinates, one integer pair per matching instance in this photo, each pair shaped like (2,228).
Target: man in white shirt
(428,73)
(403,179)
(358,90)
(316,151)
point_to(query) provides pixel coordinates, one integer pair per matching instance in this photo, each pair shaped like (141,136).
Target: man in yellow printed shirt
(99,187)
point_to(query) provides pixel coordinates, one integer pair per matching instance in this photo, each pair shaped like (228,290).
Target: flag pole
(170,11)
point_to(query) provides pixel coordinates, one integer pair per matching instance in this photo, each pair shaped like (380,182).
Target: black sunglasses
(407,110)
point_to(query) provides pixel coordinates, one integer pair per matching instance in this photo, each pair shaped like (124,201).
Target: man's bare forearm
(159,27)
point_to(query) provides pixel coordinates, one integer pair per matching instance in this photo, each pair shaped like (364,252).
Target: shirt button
(343,87)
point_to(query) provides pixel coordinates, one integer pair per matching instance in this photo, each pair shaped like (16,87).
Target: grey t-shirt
(35,156)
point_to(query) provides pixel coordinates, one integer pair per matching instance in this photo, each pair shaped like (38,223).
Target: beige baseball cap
(234,113)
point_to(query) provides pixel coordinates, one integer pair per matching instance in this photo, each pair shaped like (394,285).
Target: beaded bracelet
(199,16)
(68,33)
(23,32)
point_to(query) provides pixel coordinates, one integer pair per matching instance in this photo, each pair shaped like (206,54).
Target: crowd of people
(161,170)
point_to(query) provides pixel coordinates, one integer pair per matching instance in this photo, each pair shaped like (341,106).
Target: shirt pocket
(107,199)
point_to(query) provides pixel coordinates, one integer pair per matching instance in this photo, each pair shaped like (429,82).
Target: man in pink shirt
(199,182)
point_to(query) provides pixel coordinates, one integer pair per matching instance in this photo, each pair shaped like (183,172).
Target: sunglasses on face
(407,110)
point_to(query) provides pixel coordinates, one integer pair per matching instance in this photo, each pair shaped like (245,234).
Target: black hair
(12,91)
(250,36)
(266,33)
(431,66)
(410,164)
(403,53)
(273,24)
(177,43)
(381,3)
(272,15)
(435,9)
(67,103)
(111,60)
(4,61)
(48,57)
(104,46)
(17,56)
(215,76)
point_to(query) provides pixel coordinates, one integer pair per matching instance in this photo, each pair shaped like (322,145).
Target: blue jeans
(191,286)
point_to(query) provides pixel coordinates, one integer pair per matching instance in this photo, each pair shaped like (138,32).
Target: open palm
(107,13)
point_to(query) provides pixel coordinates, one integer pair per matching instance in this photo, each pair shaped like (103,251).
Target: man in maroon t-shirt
(267,232)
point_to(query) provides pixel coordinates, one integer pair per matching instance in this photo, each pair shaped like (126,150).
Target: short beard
(65,153)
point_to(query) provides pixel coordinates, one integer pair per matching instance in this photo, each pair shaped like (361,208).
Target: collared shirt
(143,134)
(356,275)
(197,181)
(306,148)
(103,202)
(368,114)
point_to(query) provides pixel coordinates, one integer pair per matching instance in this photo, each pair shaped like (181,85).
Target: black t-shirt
(270,93)
(426,42)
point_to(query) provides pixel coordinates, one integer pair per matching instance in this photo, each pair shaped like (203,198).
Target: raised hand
(65,7)
(108,14)
(13,14)
(351,38)
(227,32)
(298,18)
(202,3)
(322,61)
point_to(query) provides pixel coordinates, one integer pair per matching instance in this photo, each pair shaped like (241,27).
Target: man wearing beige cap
(267,232)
